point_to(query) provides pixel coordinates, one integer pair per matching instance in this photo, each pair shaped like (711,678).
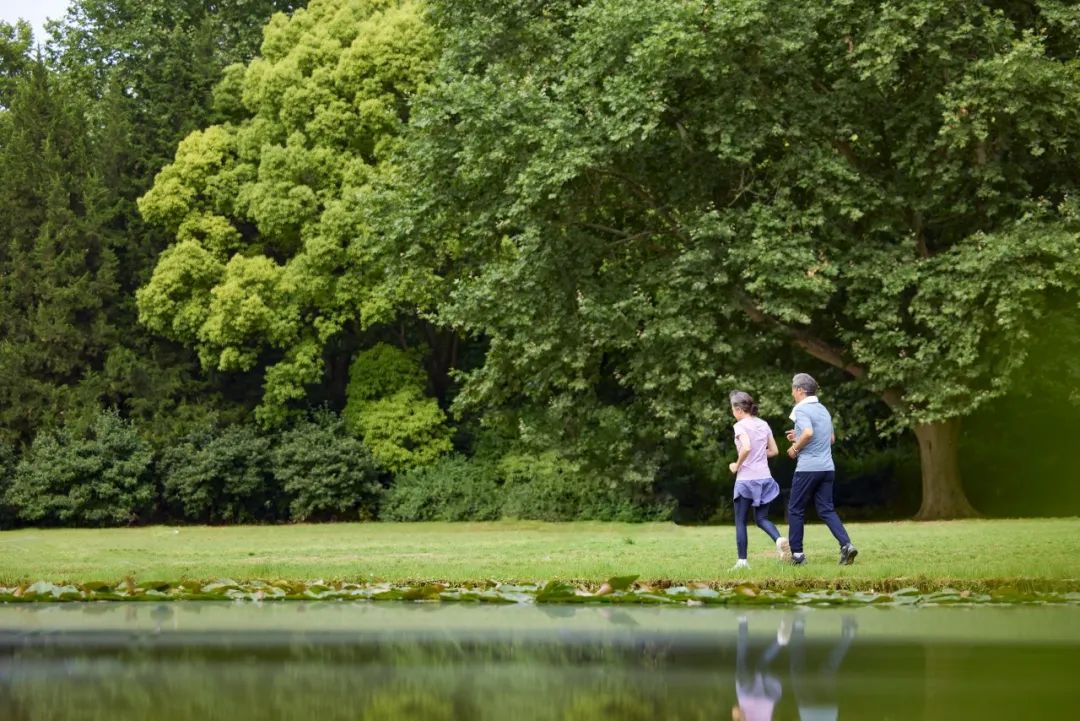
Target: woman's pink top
(756,465)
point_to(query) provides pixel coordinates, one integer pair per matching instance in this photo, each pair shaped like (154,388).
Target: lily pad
(621,583)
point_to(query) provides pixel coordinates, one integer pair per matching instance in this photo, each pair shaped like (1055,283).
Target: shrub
(387,408)
(326,473)
(101,476)
(217,476)
(548,487)
(452,489)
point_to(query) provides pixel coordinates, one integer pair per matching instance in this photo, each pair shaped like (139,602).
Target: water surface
(197,661)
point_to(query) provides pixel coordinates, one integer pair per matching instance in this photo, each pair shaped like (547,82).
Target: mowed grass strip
(1032,554)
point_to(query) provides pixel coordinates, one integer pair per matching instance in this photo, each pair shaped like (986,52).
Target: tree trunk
(942,494)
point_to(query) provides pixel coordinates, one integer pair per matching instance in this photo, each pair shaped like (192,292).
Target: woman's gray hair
(743,401)
(806,382)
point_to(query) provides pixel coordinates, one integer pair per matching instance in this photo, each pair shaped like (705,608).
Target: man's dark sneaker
(798,559)
(847,554)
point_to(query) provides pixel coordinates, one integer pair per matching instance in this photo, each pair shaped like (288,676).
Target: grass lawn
(1041,554)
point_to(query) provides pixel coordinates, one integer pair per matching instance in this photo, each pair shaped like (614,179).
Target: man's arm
(802,420)
(801,442)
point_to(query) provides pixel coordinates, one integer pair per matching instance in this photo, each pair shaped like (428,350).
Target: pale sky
(34,11)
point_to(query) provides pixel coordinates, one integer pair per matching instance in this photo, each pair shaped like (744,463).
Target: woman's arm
(743,441)
(772,451)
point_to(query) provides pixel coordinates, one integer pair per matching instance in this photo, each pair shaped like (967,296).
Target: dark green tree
(57,266)
(123,83)
(150,69)
(636,199)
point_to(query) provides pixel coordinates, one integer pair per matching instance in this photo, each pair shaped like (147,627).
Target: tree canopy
(453,249)
(83,128)
(273,260)
(646,197)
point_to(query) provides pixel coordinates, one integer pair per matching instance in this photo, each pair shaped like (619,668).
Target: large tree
(124,81)
(57,269)
(640,196)
(274,265)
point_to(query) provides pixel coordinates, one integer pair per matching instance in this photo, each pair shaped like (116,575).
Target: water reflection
(758,686)
(366,661)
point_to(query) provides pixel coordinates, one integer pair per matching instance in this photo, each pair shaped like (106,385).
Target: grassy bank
(1039,554)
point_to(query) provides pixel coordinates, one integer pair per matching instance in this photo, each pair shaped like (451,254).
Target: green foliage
(326,473)
(167,55)
(648,202)
(387,408)
(15,57)
(454,488)
(382,371)
(548,487)
(880,483)
(81,138)
(57,267)
(222,477)
(274,250)
(98,477)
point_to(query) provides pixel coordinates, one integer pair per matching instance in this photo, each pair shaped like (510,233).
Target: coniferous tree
(57,267)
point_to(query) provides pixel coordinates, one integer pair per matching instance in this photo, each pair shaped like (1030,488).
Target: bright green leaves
(402,430)
(192,182)
(246,309)
(275,254)
(382,371)
(387,408)
(176,302)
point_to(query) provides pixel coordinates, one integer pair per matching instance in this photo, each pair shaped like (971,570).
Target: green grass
(1039,554)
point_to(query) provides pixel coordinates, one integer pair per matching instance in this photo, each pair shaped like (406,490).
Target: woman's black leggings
(761,518)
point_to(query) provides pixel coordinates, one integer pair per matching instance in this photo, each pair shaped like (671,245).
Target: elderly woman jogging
(754,484)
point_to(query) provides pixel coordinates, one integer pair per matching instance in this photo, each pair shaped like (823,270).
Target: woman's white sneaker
(740,565)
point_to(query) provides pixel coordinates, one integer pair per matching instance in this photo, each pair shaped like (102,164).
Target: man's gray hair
(806,382)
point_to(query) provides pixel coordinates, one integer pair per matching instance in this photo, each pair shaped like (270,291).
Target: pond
(199,661)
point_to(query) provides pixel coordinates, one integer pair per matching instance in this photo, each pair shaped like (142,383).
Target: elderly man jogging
(812,442)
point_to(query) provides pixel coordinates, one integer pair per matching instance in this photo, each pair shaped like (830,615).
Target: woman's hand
(733,467)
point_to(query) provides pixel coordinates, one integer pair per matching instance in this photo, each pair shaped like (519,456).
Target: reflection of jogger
(814,683)
(815,691)
(756,687)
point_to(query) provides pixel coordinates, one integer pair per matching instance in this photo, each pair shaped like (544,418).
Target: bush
(223,476)
(540,487)
(548,487)
(327,474)
(99,477)
(387,408)
(452,489)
